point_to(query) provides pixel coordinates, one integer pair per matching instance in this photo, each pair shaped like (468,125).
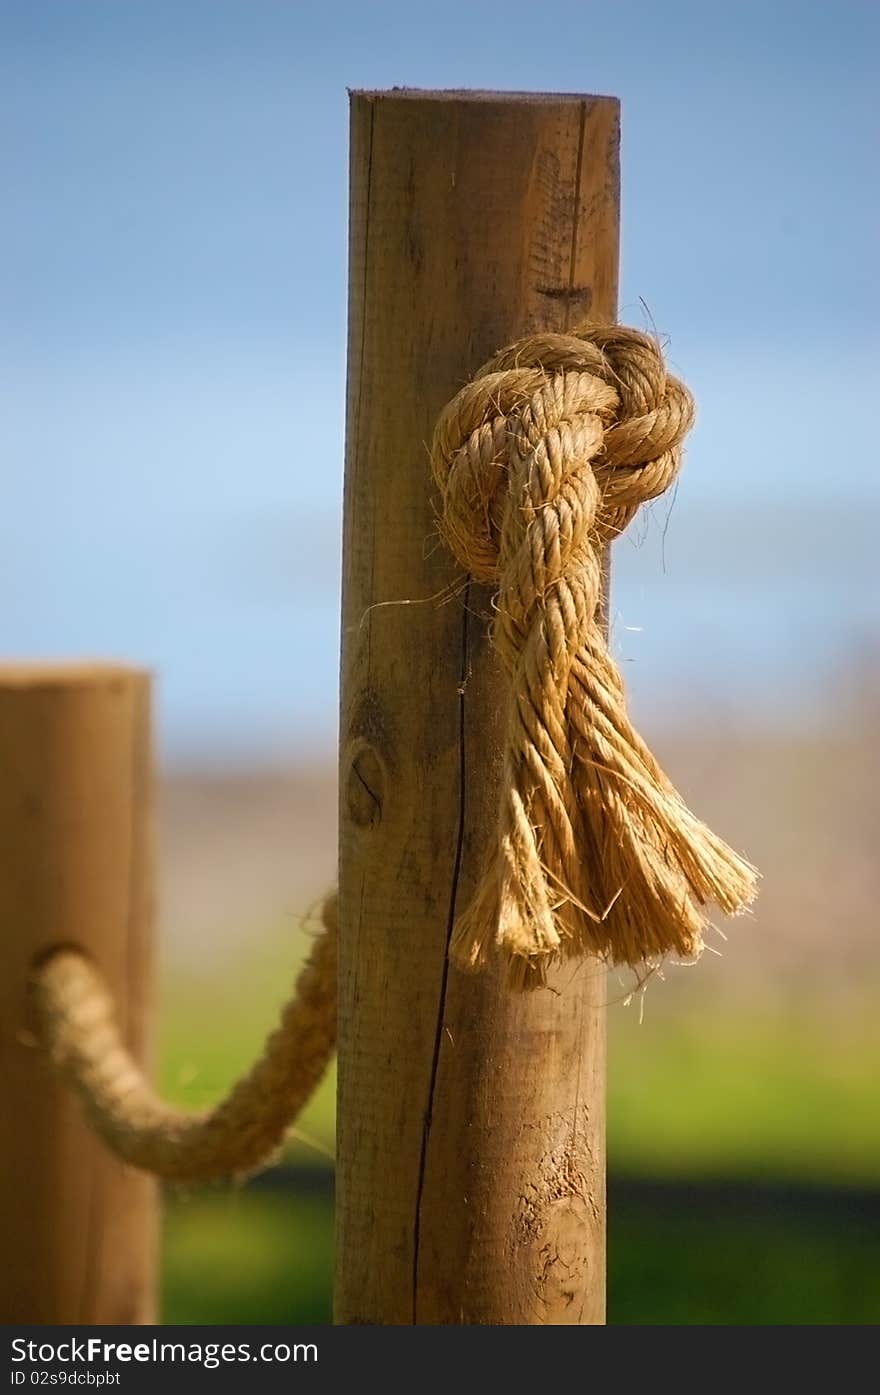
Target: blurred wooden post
(471,1168)
(79,1229)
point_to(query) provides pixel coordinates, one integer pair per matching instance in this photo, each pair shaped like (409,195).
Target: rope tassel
(541,461)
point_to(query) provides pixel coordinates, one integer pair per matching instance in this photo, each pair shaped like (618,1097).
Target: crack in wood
(441,1005)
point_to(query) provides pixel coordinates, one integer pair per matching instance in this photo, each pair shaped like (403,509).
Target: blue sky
(173,280)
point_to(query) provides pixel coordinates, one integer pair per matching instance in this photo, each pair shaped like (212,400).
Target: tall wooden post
(79,1229)
(471,1168)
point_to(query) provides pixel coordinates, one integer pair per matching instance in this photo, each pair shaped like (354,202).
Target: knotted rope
(541,461)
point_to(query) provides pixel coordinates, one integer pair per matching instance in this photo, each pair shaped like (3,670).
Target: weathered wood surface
(79,1229)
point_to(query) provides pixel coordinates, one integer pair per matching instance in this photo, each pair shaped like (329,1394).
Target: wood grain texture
(471,1169)
(79,1229)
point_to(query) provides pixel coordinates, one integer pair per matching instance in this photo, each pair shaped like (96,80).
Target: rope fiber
(540,462)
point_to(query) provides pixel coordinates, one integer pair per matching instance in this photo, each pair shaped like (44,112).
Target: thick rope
(541,461)
(78,1026)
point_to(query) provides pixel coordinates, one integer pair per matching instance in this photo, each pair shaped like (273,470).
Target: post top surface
(66,673)
(466,94)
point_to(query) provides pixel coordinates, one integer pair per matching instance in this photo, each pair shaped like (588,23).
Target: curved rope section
(78,1026)
(541,461)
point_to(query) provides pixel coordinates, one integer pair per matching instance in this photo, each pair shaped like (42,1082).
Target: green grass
(734,1270)
(237,1257)
(209,1031)
(778,1097)
(251,1257)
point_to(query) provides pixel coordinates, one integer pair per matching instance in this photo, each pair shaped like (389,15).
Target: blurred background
(173,282)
